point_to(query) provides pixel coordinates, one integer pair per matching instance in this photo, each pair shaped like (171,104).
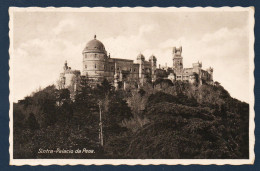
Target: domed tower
(94,60)
(153,61)
(140,60)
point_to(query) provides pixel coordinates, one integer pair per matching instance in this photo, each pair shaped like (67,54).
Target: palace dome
(94,46)
(152,58)
(140,56)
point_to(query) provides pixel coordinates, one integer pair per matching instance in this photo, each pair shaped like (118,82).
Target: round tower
(140,60)
(94,60)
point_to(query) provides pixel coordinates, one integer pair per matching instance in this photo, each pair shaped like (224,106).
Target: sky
(42,41)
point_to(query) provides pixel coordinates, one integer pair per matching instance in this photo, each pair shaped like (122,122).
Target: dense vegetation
(164,120)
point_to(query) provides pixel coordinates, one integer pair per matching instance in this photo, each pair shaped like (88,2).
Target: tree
(32,122)
(106,86)
(118,110)
(179,120)
(63,95)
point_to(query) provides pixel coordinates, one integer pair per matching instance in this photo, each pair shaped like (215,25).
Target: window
(118,68)
(130,69)
(95,55)
(112,68)
(95,66)
(134,69)
(85,66)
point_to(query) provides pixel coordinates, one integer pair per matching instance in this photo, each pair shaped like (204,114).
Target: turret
(153,62)
(140,57)
(69,79)
(140,60)
(210,71)
(197,69)
(177,51)
(177,59)
(65,66)
(197,65)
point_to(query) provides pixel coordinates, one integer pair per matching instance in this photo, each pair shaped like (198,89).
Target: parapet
(177,51)
(197,64)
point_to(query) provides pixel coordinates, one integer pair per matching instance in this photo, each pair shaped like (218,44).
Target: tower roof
(140,56)
(152,58)
(95,46)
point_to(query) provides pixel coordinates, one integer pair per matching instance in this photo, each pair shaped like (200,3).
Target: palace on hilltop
(122,73)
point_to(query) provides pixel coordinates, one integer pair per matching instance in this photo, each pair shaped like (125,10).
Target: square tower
(177,59)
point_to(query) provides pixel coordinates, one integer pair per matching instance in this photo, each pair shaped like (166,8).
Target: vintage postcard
(131,86)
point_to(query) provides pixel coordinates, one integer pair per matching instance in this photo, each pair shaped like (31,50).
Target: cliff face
(165,120)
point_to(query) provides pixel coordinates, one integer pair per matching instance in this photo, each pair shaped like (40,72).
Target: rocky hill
(162,120)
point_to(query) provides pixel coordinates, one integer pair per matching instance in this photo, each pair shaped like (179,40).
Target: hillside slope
(165,120)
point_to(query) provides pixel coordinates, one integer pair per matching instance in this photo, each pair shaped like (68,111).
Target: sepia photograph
(131,86)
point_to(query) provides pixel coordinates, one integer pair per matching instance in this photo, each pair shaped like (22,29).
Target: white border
(139,161)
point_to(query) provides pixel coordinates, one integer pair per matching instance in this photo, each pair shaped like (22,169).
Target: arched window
(95,66)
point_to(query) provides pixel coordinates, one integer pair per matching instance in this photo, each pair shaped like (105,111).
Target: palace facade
(98,65)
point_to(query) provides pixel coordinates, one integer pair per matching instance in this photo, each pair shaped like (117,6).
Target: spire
(95,36)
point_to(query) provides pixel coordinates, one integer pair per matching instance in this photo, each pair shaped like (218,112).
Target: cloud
(221,50)
(63,25)
(129,46)
(144,29)
(38,61)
